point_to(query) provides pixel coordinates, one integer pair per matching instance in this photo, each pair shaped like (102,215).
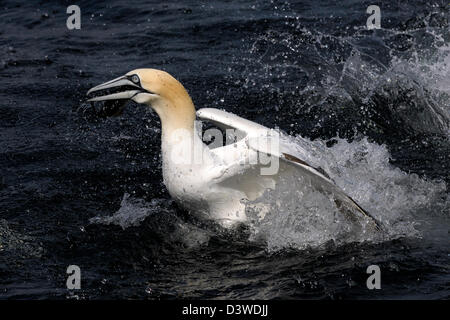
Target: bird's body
(193,183)
(217,183)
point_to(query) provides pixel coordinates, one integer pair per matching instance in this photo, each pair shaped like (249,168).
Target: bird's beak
(116,89)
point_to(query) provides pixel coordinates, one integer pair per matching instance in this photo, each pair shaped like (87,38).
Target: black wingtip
(378,225)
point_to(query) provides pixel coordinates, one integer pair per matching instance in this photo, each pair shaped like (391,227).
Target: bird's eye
(135,79)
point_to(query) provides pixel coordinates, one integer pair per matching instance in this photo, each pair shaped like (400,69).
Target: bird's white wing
(260,139)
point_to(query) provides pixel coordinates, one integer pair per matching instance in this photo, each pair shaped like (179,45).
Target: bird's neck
(181,145)
(177,115)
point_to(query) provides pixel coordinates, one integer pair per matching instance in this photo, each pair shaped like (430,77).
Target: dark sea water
(79,189)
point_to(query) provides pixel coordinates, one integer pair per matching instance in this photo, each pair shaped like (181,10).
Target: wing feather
(258,138)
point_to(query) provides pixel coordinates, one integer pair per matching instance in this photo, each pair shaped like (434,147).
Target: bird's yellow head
(155,88)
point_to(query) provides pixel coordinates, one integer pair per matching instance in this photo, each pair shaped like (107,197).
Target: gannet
(215,183)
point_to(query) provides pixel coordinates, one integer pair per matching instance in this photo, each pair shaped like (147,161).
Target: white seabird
(216,182)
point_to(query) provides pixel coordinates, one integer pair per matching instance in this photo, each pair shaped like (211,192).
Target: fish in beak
(115,94)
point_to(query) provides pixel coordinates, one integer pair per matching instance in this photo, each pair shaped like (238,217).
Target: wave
(299,217)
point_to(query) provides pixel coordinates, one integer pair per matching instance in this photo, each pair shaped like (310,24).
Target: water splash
(162,220)
(300,217)
(297,216)
(395,76)
(132,212)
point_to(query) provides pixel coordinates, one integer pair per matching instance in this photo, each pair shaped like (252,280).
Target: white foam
(132,212)
(300,217)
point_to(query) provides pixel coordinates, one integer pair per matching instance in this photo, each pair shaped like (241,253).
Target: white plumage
(216,183)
